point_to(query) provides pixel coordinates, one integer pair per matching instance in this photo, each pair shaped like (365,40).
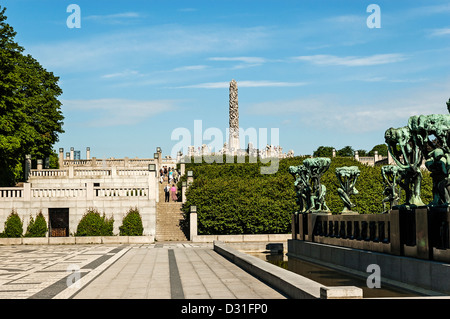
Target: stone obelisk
(234,144)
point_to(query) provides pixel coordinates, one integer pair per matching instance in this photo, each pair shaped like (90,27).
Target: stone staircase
(168,217)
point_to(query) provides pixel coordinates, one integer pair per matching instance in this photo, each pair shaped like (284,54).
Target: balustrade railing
(121,191)
(11,192)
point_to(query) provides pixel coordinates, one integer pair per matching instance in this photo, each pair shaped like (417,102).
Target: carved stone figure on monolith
(347,177)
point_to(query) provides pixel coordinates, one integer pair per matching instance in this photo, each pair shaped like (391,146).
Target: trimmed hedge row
(91,224)
(235,198)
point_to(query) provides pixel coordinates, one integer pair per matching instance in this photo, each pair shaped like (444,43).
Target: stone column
(27,167)
(88,153)
(234,143)
(72,153)
(27,191)
(39,164)
(190,178)
(61,158)
(192,225)
(182,169)
(183,192)
(90,191)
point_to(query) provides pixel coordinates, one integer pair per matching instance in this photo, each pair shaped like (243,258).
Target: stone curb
(291,284)
(77,240)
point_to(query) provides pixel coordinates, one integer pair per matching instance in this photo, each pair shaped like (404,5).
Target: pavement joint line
(176,287)
(71,291)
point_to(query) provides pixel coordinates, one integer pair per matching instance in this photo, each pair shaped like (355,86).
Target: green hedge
(13,226)
(235,198)
(94,224)
(37,227)
(132,224)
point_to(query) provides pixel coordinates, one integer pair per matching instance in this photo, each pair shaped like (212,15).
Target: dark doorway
(58,222)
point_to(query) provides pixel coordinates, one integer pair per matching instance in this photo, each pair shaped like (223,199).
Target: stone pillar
(67,156)
(153,185)
(357,155)
(61,158)
(390,159)
(375,156)
(89,191)
(39,164)
(183,192)
(190,178)
(422,236)
(182,169)
(27,191)
(334,152)
(72,153)
(192,225)
(27,167)
(88,153)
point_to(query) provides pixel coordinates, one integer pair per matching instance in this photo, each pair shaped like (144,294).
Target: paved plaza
(139,271)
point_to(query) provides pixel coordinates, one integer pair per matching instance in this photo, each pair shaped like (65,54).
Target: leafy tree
(30,114)
(346,151)
(380,148)
(324,151)
(362,152)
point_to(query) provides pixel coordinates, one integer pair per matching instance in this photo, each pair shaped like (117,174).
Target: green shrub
(132,224)
(94,224)
(37,227)
(13,226)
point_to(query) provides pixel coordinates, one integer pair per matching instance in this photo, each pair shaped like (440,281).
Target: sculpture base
(321,212)
(349,212)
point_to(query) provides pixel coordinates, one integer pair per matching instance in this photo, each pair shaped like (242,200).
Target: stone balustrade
(11,192)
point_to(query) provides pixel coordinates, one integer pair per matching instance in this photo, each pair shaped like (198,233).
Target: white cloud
(114,18)
(244,59)
(359,117)
(377,59)
(115,112)
(144,44)
(248,84)
(440,32)
(190,68)
(123,74)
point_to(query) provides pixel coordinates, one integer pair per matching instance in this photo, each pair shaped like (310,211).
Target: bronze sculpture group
(426,139)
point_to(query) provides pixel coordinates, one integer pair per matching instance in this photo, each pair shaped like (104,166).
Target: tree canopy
(30,113)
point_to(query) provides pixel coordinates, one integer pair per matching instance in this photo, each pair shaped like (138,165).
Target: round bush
(37,227)
(132,224)
(13,226)
(94,224)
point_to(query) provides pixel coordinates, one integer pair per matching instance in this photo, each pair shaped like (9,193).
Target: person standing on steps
(167,193)
(173,190)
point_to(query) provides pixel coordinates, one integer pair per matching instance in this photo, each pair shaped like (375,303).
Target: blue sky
(136,70)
